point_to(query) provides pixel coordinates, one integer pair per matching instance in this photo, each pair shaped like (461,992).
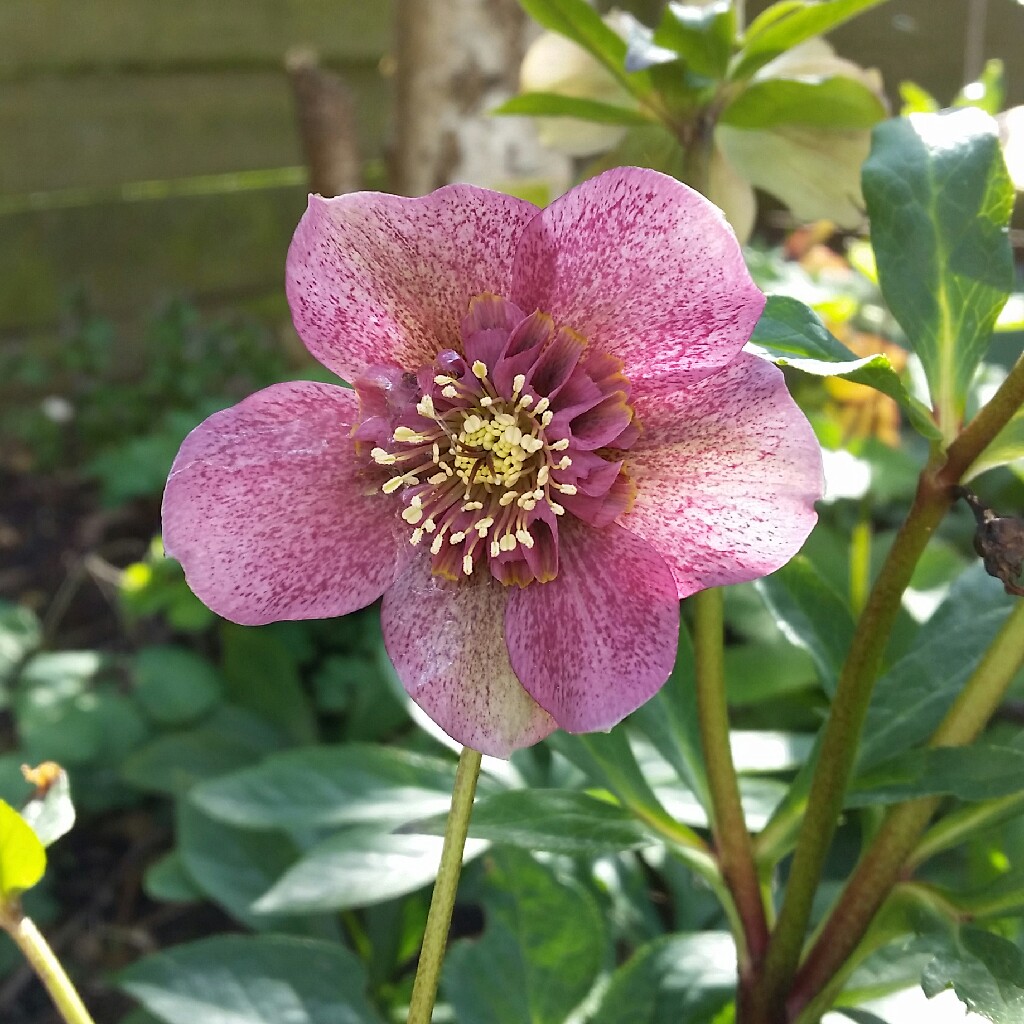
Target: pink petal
(268,509)
(600,639)
(447,643)
(727,473)
(374,278)
(645,268)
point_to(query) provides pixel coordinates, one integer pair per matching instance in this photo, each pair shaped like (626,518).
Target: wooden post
(327,126)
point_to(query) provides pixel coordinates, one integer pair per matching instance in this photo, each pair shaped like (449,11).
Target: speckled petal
(447,643)
(268,510)
(727,474)
(600,639)
(374,278)
(646,269)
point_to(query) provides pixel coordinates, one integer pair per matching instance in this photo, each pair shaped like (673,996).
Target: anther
(408,436)
(518,383)
(480,370)
(559,446)
(383,458)
(467,565)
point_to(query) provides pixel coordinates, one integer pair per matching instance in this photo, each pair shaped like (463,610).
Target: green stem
(43,961)
(729,828)
(439,917)
(839,744)
(882,864)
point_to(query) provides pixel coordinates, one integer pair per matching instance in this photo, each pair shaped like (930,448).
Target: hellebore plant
(552,437)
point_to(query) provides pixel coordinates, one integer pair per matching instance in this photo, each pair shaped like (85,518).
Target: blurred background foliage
(246,784)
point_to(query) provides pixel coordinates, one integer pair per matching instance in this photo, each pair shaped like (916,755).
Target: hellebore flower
(553,436)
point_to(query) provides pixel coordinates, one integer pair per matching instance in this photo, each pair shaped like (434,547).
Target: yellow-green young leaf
(1006,448)
(789,22)
(578,21)
(22,857)
(939,197)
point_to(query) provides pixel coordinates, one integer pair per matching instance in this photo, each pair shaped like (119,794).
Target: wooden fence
(148,148)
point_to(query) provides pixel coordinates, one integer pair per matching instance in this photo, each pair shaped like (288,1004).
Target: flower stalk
(439,917)
(732,839)
(36,950)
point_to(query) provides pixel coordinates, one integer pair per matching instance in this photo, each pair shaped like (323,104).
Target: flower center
(489,448)
(477,468)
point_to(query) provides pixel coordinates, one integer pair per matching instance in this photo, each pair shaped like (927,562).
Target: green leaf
(762,671)
(702,35)
(791,334)
(988,92)
(540,955)
(263,676)
(979,772)
(608,761)
(552,820)
(987,975)
(232,866)
(51,815)
(789,22)
(330,786)
(175,685)
(553,104)
(679,979)
(939,197)
(242,979)
(911,698)
(20,634)
(174,763)
(834,104)
(167,880)
(669,720)
(812,615)
(357,867)
(1007,447)
(578,21)
(22,857)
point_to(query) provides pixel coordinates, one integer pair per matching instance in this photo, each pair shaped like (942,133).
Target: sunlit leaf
(22,857)
(940,198)
(980,772)
(789,22)
(554,820)
(246,979)
(987,974)
(834,104)
(578,21)
(315,787)
(552,104)
(702,34)
(791,334)
(541,953)
(680,979)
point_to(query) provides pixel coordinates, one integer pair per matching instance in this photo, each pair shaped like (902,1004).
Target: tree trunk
(457,60)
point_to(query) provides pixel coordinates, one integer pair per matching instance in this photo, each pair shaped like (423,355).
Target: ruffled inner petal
(447,644)
(595,643)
